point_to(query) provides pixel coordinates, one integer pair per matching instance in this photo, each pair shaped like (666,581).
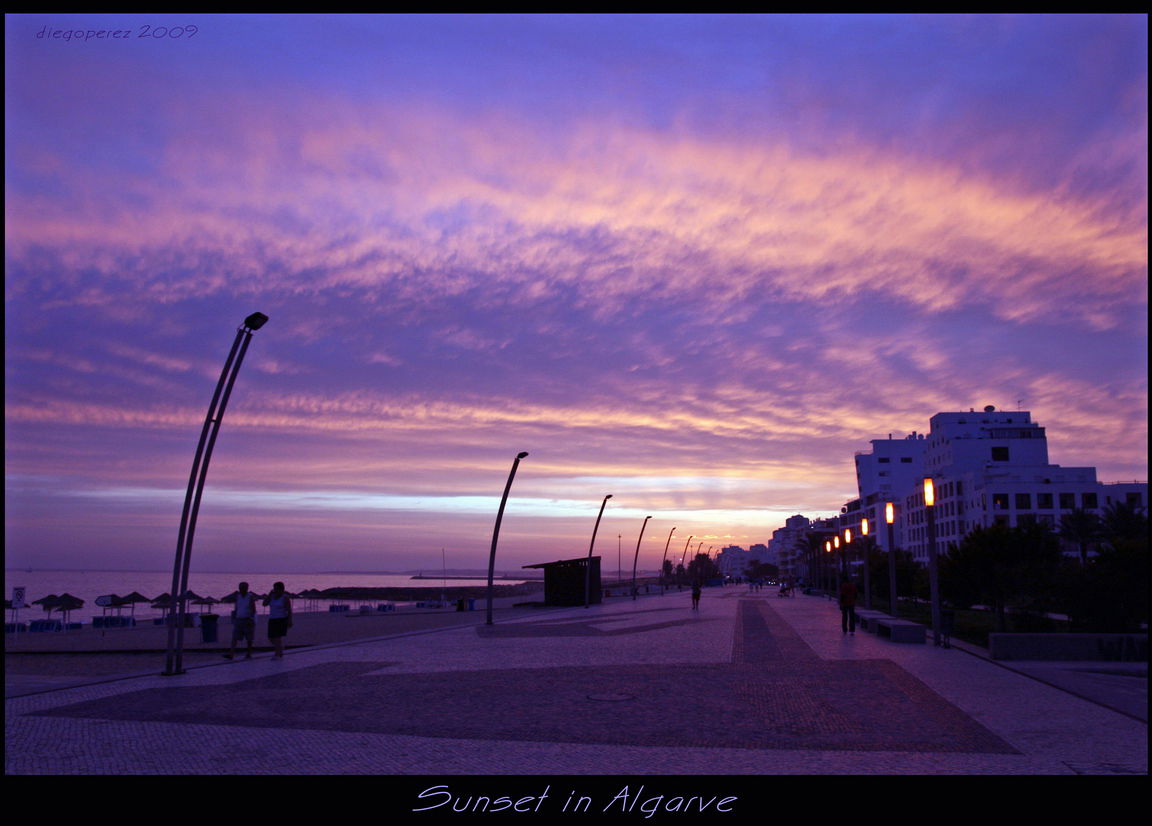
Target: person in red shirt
(848,606)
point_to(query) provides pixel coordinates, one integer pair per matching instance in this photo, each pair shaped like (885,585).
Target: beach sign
(18,596)
(106,600)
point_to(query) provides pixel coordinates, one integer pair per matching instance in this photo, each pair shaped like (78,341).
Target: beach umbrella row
(64,603)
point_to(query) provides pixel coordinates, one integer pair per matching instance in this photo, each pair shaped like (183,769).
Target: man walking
(848,606)
(243,620)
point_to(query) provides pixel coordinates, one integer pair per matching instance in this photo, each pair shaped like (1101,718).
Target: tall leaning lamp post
(933,572)
(588,567)
(173,661)
(867,541)
(889,519)
(664,558)
(496,531)
(636,558)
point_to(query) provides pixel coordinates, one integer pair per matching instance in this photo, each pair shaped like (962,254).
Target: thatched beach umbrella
(47,603)
(205,601)
(66,603)
(132,599)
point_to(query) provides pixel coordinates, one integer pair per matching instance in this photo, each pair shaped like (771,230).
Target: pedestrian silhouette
(848,606)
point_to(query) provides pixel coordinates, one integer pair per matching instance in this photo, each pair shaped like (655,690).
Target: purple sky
(694,262)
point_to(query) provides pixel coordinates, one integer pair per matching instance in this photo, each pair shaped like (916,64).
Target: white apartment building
(893,467)
(992,466)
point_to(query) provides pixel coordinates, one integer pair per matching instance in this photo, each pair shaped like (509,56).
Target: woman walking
(279,618)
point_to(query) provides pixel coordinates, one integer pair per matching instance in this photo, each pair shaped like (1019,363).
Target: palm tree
(1081,528)
(1123,520)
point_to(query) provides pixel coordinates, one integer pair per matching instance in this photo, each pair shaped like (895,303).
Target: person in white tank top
(279,618)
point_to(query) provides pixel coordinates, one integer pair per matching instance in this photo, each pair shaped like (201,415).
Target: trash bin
(471,604)
(208,627)
(460,604)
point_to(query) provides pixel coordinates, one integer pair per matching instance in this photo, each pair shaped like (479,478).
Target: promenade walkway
(750,684)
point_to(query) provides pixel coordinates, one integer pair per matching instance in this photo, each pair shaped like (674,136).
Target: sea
(89,585)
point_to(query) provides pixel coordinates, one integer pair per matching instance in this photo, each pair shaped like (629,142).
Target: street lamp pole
(683,559)
(933,573)
(174,658)
(588,567)
(890,518)
(867,564)
(636,558)
(824,568)
(664,558)
(496,532)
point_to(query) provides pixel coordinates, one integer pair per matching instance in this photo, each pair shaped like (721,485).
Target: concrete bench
(867,619)
(899,630)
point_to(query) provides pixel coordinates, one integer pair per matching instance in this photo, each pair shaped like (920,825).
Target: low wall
(1099,647)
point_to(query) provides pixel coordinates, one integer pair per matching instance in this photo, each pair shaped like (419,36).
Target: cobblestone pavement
(748,685)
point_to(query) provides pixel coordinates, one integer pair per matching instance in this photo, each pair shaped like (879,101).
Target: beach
(92,652)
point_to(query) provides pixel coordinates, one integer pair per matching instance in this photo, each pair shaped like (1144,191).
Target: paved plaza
(750,684)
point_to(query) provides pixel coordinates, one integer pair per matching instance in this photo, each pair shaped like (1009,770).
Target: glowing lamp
(864,527)
(889,513)
(929,492)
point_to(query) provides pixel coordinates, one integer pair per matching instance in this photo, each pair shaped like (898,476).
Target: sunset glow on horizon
(692,261)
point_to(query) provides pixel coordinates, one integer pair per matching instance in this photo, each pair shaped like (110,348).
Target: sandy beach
(89,651)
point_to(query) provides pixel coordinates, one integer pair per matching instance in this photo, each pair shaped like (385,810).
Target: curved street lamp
(588,566)
(174,658)
(665,557)
(637,556)
(496,531)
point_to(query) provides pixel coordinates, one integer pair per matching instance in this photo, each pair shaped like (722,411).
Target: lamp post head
(889,513)
(864,527)
(255,321)
(827,547)
(522,454)
(847,536)
(929,492)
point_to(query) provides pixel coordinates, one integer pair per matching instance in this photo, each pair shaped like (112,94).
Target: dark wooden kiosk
(564,581)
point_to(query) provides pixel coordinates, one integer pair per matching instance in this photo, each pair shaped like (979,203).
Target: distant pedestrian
(279,618)
(695,596)
(243,620)
(848,606)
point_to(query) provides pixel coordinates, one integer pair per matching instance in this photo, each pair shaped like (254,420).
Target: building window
(1044,500)
(1025,519)
(1067,501)
(999,454)
(906,459)
(1023,501)
(999,501)
(1088,500)
(883,460)
(1134,499)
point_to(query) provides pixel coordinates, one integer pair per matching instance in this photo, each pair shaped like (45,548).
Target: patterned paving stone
(776,695)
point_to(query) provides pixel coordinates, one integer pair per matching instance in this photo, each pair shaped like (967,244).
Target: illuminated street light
(588,566)
(890,518)
(933,574)
(496,532)
(867,563)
